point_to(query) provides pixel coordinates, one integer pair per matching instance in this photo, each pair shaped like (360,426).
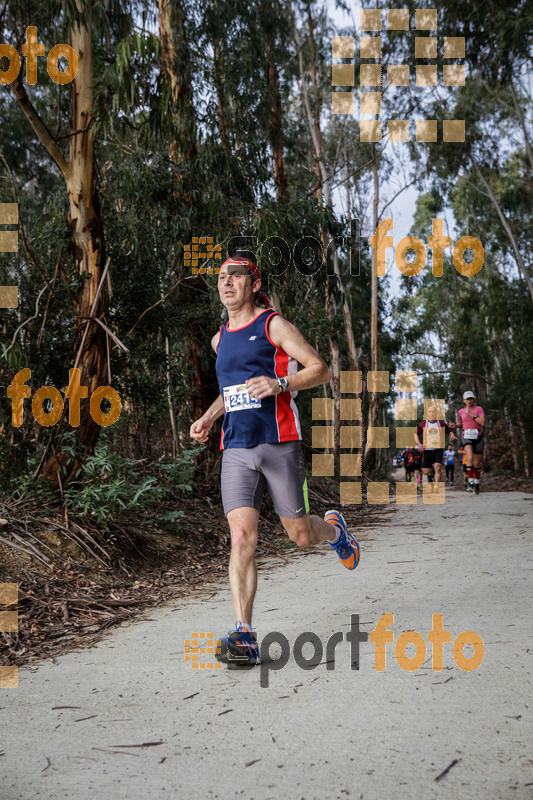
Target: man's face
(470,402)
(235,286)
(432,413)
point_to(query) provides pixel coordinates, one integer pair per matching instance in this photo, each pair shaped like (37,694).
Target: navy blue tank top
(244,353)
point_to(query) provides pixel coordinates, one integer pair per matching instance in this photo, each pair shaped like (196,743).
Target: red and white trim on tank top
(287,420)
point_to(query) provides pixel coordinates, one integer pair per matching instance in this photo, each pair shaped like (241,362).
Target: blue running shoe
(347,547)
(238,648)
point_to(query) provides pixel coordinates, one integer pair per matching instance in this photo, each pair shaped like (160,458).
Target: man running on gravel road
(257,370)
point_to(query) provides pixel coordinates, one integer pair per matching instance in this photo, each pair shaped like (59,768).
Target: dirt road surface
(74,727)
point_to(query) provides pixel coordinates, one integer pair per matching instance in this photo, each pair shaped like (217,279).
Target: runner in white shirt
(433,433)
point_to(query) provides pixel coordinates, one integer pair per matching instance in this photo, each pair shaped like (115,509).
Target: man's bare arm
(215,410)
(287,336)
(201,427)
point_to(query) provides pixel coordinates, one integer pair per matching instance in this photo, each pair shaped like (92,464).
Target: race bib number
(470,433)
(236,398)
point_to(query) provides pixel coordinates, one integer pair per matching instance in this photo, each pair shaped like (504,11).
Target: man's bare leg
(307,530)
(243,524)
(469,450)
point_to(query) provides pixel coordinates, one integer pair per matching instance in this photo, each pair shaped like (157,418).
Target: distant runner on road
(433,432)
(257,370)
(472,421)
(449,463)
(409,463)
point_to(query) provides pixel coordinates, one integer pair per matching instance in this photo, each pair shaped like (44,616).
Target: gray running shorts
(279,466)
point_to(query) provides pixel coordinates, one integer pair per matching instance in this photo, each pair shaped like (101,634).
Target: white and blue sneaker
(347,547)
(238,648)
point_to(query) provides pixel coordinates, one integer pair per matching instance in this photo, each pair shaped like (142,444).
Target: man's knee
(243,540)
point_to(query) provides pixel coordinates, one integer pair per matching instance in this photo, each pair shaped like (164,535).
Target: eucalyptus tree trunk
(374,345)
(78,172)
(514,443)
(313,119)
(276,121)
(324,194)
(221,99)
(176,68)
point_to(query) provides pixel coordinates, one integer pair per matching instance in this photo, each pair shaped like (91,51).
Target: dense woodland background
(189,119)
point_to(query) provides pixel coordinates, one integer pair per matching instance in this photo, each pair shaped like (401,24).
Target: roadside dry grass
(75,582)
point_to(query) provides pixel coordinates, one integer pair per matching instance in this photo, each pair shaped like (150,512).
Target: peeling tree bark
(87,237)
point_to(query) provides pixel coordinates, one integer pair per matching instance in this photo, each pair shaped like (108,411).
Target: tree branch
(443,358)
(161,300)
(75,133)
(455,372)
(22,324)
(522,123)
(407,185)
(40,128)
(506,227)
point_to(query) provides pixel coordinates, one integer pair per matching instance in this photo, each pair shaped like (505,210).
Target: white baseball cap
(469,394)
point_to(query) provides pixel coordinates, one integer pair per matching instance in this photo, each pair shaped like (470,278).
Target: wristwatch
(282,383)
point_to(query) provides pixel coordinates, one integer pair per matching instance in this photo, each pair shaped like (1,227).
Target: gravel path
(316,733)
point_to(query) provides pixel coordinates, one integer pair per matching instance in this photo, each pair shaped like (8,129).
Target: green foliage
(178,474)
(110,484)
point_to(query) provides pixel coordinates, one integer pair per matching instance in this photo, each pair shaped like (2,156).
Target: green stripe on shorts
(306,498)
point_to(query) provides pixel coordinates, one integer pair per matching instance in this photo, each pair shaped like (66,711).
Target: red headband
(253,271)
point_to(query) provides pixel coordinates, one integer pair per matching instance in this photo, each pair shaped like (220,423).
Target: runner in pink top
(472,421)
